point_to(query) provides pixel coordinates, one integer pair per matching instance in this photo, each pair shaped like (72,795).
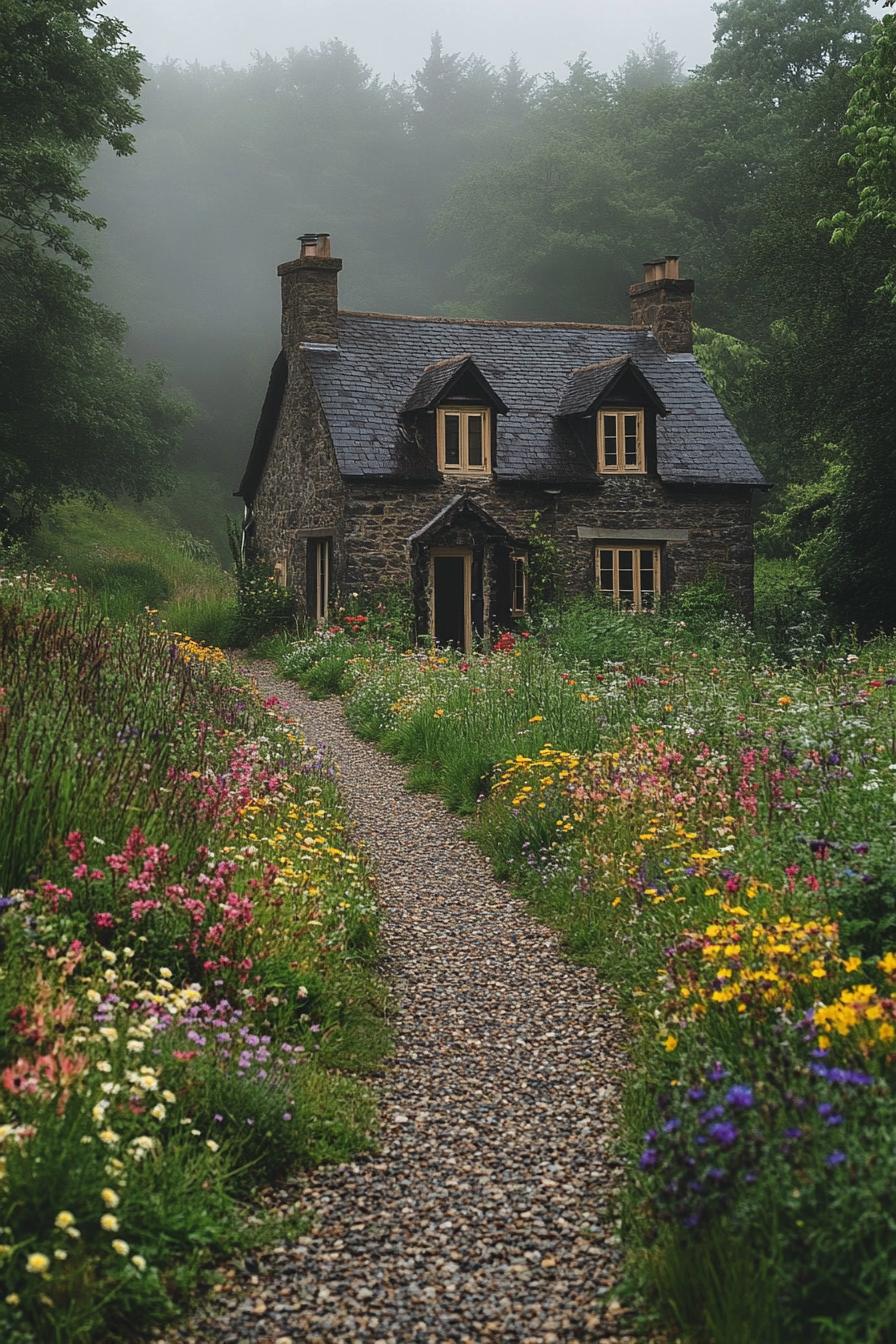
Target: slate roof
(590,384)
(265,430)
(365,383)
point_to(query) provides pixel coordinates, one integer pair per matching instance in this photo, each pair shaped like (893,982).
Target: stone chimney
(665,303)
(309,287)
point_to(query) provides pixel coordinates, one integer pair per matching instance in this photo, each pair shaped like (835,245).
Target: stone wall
(301,491)
(381,516)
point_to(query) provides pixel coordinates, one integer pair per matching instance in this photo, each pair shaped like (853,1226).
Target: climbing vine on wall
(544,568)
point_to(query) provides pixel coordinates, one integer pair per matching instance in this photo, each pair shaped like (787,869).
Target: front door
(451,583)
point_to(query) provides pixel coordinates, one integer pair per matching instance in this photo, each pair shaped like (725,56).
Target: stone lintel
(633,534)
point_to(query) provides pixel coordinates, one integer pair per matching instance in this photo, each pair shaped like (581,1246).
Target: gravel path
(483,1214)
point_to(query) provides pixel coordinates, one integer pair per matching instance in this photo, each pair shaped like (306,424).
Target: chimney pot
(315,245)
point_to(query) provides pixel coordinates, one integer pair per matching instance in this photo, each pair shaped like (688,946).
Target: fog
(460,177)
(391,34)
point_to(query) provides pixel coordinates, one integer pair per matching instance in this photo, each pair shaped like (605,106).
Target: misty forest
(287,1051)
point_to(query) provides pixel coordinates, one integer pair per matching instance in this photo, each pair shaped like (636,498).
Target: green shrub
(789,616)
(263,605)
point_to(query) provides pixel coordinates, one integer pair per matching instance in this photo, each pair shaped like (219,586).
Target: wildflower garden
(186,948)
(712,825)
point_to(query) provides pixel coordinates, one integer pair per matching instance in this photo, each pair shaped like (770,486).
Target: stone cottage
(421,451)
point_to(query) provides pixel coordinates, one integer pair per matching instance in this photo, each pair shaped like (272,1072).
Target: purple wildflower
(724,1133)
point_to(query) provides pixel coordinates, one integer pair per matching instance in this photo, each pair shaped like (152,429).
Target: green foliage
(800,523)
(263,605)
(706,825)
(777,48)
(210,620)
(855,564)
(544,568)
(789,614)
(69,82)
(77,416)
(870,128)
(177,1027)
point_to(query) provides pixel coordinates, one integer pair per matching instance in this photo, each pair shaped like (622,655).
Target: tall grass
(129,558)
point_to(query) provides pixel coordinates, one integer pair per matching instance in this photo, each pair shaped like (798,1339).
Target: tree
(870,126)
(655,65)
(780,47)
(75,415)
(68,82)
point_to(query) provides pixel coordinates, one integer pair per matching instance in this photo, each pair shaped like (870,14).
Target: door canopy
(462,513)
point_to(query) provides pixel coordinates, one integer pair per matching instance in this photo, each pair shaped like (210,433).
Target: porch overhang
(461,509)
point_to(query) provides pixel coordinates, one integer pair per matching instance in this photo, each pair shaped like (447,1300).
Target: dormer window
(463,440)
(620,441)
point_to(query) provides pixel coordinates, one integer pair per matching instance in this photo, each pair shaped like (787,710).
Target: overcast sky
(392,36)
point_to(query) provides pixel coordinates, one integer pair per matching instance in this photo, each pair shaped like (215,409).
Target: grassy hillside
(131,556)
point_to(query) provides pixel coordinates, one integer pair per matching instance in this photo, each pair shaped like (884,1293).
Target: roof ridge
(493,321)
(600,364)
(450,359)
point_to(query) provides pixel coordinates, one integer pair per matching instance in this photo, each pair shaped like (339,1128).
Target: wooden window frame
(620,468)
(635,546)
(322,561)
(464,413)
(439,552)
(519,558)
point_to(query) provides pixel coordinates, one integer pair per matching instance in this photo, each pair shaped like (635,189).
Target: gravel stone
(482,1214)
